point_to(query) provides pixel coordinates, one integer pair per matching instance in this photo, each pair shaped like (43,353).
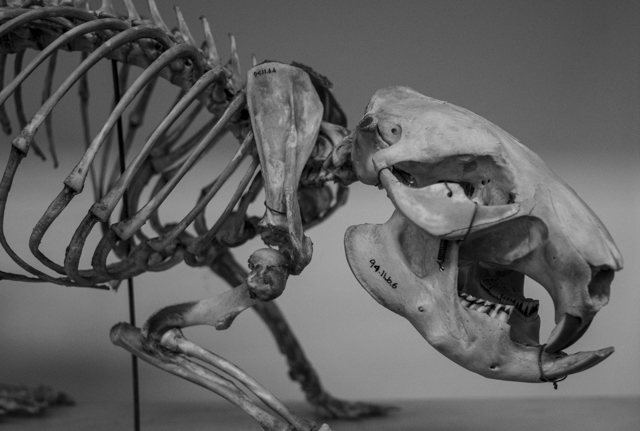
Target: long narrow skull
(458,181)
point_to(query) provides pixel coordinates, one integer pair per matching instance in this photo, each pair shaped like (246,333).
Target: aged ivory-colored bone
(459,177)
(208,86)
(508,213)
(286,114)
(397,264)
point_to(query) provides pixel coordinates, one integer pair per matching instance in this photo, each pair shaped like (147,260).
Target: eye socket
(390,132)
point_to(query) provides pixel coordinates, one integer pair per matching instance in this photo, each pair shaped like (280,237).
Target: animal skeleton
(467,195)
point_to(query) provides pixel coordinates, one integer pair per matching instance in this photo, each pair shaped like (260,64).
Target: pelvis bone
(461,179)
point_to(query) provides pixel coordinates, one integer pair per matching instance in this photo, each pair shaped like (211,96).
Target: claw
(129,338)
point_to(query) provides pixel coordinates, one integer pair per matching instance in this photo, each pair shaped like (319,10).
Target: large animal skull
(476,211)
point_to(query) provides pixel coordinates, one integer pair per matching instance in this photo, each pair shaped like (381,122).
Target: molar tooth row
(526,306)
(497,311)
(506,313)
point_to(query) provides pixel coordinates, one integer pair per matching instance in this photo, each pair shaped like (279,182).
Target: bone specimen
(314,125)
(456,178)
(476,211)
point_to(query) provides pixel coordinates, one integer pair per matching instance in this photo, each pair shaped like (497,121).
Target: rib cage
(166,156)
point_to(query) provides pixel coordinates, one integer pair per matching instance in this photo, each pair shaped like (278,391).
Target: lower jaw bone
(397,264)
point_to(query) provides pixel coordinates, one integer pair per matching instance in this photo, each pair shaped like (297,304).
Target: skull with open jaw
(460,182)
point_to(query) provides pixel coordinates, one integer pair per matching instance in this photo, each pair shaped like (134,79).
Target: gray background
(562,77)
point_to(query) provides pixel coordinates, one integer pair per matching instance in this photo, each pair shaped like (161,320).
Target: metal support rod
(125,215)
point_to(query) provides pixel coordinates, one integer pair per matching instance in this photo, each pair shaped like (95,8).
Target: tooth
(254,60)
(156,18)
(474,306)
(484,308)
(184,29)
(464,302)
(503,316)
(563,334)
(575,363)
(471,298)
(508,309)
(131,11)
(212,51)
(532,307)
(496,310)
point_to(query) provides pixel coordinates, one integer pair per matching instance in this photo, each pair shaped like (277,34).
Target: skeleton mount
(476,211)
(291,168)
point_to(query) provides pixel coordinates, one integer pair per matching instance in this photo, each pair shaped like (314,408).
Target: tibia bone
(130,338)
(176,341)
